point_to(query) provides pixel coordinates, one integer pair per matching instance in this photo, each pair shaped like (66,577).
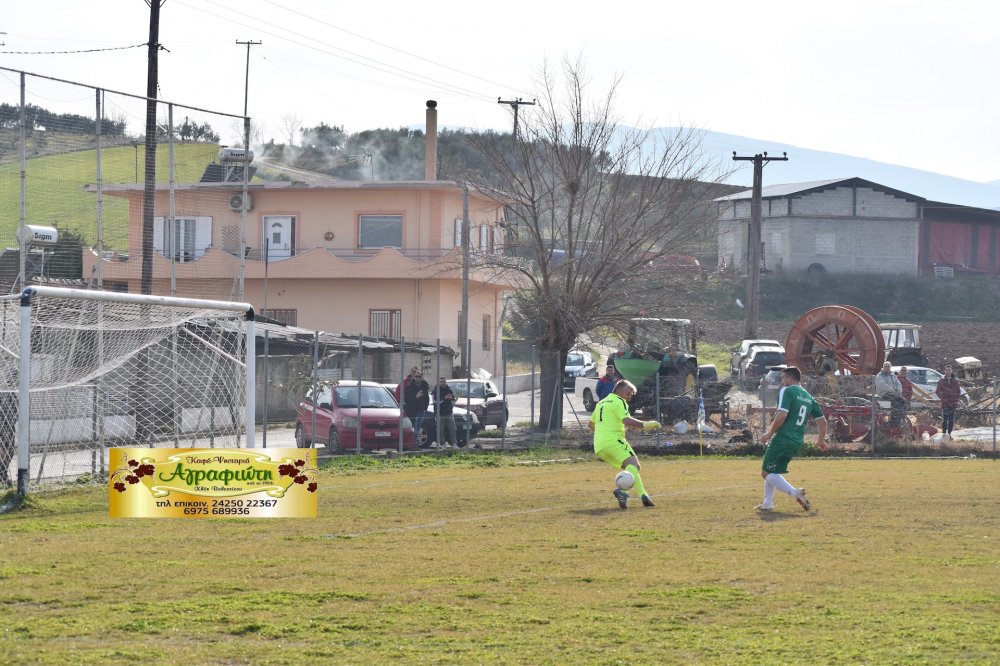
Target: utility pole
(246,84)
(515,104)
(754,240)
(149,191)
(463,329)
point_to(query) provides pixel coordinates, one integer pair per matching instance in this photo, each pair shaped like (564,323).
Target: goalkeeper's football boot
(800,497)
(647,501)
(622,498)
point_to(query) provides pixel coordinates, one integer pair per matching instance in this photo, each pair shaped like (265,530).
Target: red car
(335,405)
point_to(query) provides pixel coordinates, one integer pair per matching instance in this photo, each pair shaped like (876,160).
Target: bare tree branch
(597,203)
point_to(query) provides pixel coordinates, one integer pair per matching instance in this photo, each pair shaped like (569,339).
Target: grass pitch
(486,559)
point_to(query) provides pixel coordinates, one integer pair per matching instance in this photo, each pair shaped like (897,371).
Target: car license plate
(383,433)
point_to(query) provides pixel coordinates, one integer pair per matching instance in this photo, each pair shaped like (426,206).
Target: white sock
(781,484)
(768,493)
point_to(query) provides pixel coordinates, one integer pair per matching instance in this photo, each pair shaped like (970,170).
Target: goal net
(82,371)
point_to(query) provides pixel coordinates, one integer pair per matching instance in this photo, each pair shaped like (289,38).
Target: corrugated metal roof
(789,189)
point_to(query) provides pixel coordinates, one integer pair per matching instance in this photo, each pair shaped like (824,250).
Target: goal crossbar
(32,297)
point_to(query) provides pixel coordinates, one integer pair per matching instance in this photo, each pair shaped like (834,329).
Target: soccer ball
(624,480)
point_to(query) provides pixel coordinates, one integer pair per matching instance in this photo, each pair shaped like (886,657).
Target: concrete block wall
(842,202)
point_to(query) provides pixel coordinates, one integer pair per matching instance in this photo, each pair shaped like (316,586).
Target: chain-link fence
(89,198)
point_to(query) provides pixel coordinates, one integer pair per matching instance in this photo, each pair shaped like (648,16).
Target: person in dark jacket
(444,406)
(950,392)
(416,397)
(606,384)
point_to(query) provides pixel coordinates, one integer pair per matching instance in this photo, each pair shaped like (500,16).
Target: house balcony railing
(347,254)
(309,263)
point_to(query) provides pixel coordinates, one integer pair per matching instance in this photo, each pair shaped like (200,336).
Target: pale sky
(904,82)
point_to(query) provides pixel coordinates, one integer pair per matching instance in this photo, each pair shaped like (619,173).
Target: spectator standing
(888,387)
(950,392)
(401,388)
(444,406)
(416,397)
(905,383)
(606,384)
(886,383)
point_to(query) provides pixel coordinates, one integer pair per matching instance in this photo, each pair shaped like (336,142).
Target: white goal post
(81,371)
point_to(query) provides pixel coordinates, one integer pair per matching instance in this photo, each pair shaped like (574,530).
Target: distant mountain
(805,165)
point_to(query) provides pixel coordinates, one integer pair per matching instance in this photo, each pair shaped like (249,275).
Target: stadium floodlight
(83,370)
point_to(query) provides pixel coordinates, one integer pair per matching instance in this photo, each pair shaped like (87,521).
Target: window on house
(484,238)
(286,317)
(385,323)
(458,232)
(186,239)
(380,231)
(487,332)
(121,287)
(826,244)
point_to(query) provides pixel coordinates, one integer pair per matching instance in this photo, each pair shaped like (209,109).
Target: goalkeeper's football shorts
(778,454)
(614,453)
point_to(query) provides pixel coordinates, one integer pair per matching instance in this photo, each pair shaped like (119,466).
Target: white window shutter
(202,235)
(158,234)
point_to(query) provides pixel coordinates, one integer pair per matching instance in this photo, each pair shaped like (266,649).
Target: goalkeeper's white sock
(768,494)
(779,482)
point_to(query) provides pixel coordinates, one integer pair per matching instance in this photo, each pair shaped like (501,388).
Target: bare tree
(290,126)
(595,204)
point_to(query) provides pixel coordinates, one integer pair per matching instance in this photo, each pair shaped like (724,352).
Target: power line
(405,73)
(111,48)
(384,45)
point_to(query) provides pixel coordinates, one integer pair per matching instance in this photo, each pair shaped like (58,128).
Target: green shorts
(778,454)
(615,453)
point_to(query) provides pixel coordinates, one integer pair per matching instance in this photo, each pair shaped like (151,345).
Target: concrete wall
(844,230)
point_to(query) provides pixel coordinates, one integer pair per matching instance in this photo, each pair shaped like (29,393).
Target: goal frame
(24,378)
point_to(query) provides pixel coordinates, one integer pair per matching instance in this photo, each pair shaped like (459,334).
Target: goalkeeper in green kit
(785,437)
(609,420)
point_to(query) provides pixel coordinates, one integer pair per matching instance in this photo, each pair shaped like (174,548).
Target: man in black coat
(416,397)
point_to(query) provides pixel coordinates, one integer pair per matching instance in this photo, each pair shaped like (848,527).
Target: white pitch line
(510,514)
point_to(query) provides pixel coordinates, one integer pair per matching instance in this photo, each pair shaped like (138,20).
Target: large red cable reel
(835,337)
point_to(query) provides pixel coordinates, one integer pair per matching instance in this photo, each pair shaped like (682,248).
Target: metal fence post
(315,391)
(995,418)
(874,404)
(357,430)
(503,361)
(435,394)
(533,359)
(402,379)
(267,336)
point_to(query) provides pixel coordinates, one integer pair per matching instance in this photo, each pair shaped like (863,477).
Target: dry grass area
(499,559)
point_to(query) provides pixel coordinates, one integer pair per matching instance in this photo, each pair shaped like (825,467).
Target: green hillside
(55,194)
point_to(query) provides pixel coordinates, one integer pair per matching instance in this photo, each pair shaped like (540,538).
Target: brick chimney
(431,144)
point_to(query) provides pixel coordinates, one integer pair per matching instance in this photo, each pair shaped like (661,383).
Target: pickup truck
(585,392)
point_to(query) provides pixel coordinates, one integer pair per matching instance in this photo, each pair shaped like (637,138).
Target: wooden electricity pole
(514,104)
(149,190)
(754,241)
